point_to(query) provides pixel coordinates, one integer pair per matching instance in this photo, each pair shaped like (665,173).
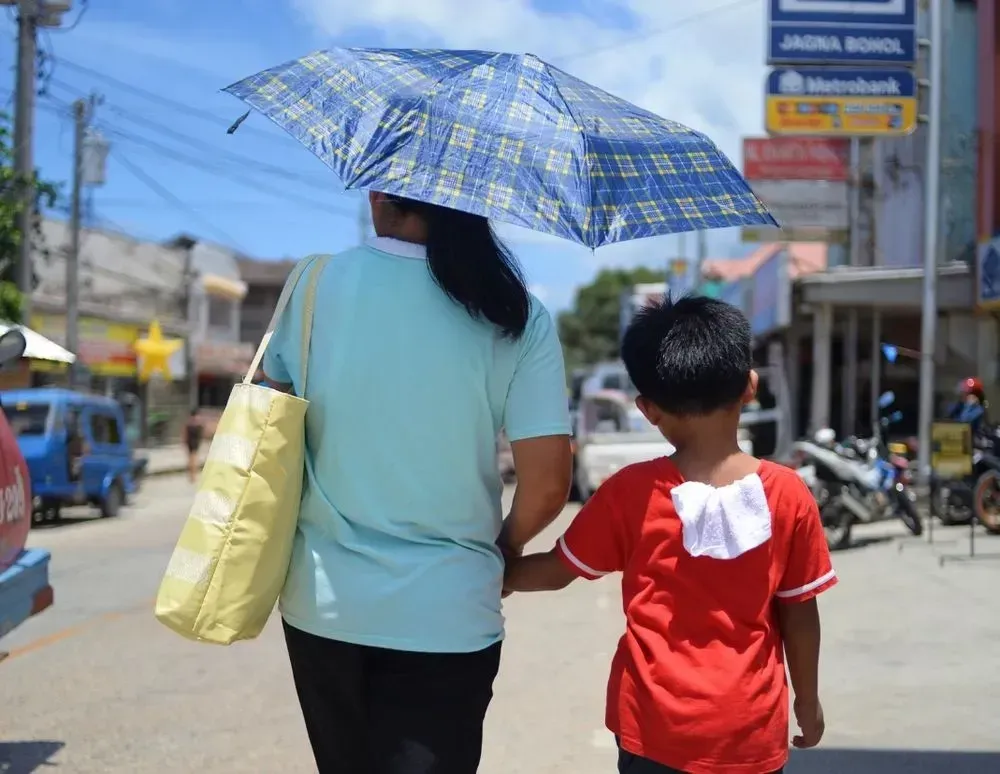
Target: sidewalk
(166,460)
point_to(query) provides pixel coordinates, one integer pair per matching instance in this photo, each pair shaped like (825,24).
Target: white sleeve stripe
(577,562)
(808,587)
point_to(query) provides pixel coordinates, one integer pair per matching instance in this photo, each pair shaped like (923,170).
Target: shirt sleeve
(537,403)
(809,570)
(595,544)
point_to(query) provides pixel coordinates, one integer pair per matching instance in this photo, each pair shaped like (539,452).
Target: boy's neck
(709,452)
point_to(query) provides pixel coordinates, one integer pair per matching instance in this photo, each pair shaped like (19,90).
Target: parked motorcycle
(858,480)
(957,501)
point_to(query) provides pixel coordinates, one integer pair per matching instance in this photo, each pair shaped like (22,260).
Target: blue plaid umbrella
(506,136)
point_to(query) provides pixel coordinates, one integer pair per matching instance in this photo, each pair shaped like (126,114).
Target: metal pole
(73,258)
(876,386)
(849,399)
(702,254)
(24,165)
(854,204)
(928,327)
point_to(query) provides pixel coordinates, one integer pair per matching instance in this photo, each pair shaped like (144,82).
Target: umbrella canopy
(506,136)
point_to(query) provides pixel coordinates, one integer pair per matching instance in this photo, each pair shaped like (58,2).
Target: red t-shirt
(698,682)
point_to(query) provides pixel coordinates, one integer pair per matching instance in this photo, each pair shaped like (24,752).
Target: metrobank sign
(817,101)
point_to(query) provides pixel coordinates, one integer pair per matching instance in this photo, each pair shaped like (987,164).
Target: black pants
(633,764)
(379,711)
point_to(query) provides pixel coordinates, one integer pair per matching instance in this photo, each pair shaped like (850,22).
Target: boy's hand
(809,718)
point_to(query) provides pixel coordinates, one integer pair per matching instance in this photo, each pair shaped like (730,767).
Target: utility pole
(932,214)
(81,110)
(24,165)
(699,264)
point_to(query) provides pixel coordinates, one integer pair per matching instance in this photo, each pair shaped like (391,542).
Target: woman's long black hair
(472,266)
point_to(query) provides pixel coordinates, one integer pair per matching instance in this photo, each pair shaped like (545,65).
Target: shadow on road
(832,761)
(27,757)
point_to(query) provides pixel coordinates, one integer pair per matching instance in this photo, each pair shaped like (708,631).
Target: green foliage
(590,331)
(11,188)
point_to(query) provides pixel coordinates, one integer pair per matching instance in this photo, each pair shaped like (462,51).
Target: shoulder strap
(279,310)
(308,308)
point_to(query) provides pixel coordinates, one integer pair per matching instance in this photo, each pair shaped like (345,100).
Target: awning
(39,347)
(223,286)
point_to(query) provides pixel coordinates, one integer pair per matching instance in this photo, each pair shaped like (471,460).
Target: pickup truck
(24,572)
(609,434)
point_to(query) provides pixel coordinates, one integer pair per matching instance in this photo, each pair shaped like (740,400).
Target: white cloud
(705,68)
(699,64)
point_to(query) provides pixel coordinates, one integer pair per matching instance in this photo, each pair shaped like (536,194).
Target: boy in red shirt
(722,556)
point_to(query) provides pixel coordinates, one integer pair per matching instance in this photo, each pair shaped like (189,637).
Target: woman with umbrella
(426,343)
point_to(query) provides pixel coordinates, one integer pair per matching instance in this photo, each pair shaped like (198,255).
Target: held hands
(510,556)
(809,718)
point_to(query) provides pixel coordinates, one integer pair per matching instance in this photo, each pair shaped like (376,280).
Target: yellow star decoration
(155,352)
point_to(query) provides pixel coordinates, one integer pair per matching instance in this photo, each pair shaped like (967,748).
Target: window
(104,429)
(220,312)
(27,419)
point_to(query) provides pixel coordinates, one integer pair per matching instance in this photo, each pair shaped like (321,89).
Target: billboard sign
(807,44)
(804,203)
(845,13)
(764,234)
(796,158)
(855,102)
(988,275)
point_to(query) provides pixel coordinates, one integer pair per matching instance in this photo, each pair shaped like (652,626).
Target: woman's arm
(543,467)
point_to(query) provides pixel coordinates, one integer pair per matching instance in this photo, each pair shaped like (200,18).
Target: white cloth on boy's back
(723,522)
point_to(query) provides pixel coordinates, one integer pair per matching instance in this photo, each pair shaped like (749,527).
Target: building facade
(264,281)
(217,358)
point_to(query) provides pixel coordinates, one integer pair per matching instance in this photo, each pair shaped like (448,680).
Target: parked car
(76,449)
(24,573)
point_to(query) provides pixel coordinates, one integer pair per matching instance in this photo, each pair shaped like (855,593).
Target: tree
(11,188)
(590,331)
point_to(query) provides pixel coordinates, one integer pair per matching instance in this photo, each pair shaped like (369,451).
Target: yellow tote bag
(230,562)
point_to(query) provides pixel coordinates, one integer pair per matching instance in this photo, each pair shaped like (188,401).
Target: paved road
(95,685)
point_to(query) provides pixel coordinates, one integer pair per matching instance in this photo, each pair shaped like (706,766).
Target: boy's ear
(750,393)
(649,410)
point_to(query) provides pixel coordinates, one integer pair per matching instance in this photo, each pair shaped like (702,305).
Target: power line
(237,175)
(154,185)
(633,39)
(243,161)
(174,105)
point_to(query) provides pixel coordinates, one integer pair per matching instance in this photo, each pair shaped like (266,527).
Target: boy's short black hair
(692,356)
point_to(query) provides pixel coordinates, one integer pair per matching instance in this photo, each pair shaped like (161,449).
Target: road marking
(77,629)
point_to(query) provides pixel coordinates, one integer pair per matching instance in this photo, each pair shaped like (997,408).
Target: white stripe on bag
(213,508)
(189,567)
(250,397)
(232,450)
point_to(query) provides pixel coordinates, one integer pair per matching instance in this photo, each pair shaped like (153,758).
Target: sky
(157,68)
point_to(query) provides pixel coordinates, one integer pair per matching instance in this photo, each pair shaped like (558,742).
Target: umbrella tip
(237,123)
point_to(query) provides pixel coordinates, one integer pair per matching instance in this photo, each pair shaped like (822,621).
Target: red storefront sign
(796,158)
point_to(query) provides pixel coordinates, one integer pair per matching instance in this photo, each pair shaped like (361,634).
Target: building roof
(806,258)
(265,273)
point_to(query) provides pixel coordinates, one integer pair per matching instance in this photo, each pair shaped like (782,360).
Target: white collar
(398,248)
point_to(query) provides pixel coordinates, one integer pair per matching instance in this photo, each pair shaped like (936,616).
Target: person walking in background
(194,432)
(722,557)
(425,344)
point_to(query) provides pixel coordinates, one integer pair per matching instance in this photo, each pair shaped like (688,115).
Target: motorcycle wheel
(986,501)
(838,522)
(908,513)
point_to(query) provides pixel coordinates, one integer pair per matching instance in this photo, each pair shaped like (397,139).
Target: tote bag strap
(308,308)
(283,300)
